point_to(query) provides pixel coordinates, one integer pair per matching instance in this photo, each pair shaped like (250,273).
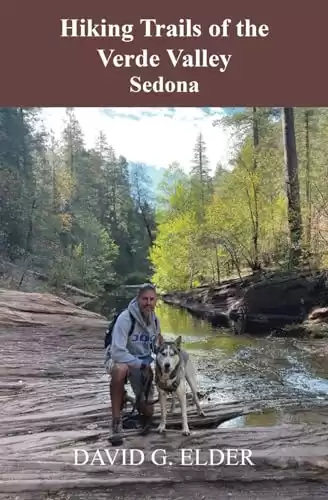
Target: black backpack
(109,331)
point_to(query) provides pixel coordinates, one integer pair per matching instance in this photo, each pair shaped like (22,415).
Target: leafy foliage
(69,211)
(85,217)
(238,218)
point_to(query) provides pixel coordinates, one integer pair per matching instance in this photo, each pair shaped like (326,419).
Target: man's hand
(145,366)
(145,369)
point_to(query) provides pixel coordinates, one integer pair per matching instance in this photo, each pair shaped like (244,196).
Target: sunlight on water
(307,382)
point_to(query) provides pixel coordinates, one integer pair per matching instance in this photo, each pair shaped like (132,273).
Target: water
(290,383)
(275,371)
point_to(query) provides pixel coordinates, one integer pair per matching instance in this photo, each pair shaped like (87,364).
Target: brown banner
(228,53)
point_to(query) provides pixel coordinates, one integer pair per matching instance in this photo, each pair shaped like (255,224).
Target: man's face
(147,302)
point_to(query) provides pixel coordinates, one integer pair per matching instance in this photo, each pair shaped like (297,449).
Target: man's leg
(118,375)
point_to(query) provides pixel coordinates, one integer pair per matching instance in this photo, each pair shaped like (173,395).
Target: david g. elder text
(160,457)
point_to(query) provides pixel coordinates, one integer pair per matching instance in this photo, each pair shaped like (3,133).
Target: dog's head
(168,355)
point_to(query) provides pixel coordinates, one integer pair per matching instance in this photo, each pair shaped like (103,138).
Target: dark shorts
(134,377)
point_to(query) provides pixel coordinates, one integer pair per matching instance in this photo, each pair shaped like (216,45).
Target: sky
(152,136)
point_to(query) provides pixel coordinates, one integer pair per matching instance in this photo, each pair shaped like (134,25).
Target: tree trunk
(218,271)
(307,181)
(292,187)
(256,212)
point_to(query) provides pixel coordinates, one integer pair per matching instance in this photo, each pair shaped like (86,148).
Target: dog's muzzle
(167,367)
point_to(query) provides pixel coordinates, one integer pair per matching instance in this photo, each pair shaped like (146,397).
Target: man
(131,352)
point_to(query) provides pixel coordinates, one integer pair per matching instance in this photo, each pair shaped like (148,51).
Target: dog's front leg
(191,379)
(162,401)
(173,404)
(181,393)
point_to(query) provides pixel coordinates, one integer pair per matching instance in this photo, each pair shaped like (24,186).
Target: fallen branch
(43,277)
(83,293)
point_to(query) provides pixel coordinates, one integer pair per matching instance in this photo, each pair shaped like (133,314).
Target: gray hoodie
(139,346)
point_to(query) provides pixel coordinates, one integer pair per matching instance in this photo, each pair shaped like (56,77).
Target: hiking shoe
(130,421)
(145,424)
(116,437)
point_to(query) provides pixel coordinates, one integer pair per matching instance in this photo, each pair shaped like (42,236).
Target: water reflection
(268,418)
(197,334)
(265,418)
(175,321)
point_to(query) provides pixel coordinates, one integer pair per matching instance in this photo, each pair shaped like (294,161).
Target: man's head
(147,298)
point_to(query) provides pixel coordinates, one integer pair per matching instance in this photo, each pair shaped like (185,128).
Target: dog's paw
(186,432)
(161,429)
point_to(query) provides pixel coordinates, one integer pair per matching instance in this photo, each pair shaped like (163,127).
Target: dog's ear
(178,342)
(158,342)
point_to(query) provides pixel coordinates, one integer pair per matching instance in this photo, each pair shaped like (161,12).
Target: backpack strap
(156,323)
(133,322)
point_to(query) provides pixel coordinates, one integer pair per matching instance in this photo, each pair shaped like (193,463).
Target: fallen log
(43,277)
(65,286)
(79,291)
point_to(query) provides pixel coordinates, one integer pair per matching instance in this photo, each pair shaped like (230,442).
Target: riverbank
(54,396)
(276,303)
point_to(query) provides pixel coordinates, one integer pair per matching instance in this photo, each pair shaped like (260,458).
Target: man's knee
(119,372)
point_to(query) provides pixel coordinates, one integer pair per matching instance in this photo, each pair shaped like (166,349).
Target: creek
(282,373)
(276,370)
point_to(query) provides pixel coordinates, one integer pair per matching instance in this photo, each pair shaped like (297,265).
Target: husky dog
(173,368)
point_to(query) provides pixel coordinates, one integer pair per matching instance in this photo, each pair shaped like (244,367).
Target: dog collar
(168,388)
(175,383)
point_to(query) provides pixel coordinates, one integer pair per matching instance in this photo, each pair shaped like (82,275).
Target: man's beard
(147,315)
